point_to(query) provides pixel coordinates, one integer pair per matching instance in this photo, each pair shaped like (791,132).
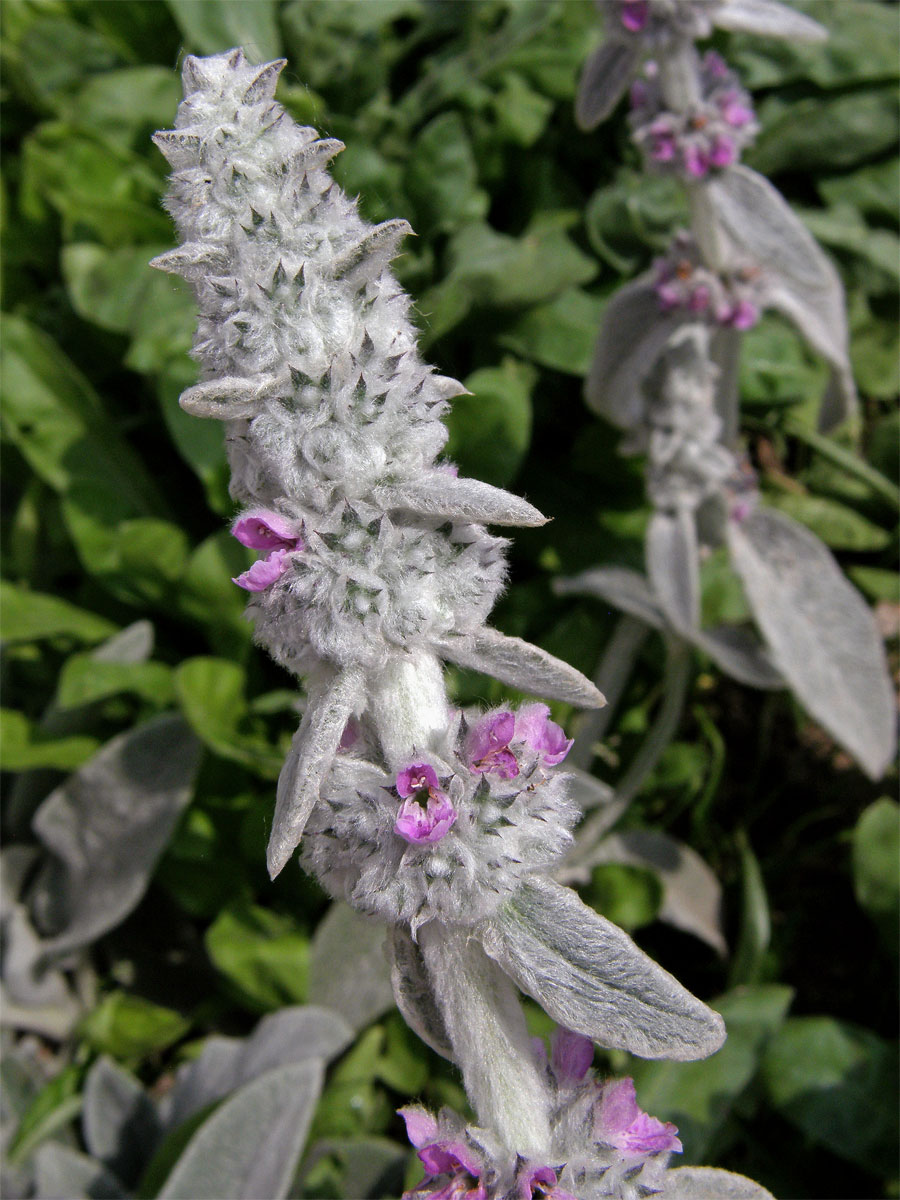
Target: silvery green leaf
(800,279)
(414,993)
(521,665)
(632,337)
(604,79)
(226,399)
(626,589)
(821,633)
(202,1081)
(32,998)
(312,751)
(61,1173)
(692,896)
(591,977)
(348,969)
(587,790)
(741,654)
(725,351)
(249,1147)
(673,566)
(133,644)
(120,1124)
(768,18)
(486,1028)
(292,1035)
(444,495)
(710,1183)
(108,824)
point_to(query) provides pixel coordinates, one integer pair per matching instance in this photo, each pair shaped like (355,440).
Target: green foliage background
(458,117)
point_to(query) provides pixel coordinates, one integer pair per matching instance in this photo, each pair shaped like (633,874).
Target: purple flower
(635,14)
(265,530)
(443,1157)
(487,746)
(723,152)
(535,1181)
(536,730)
(745,315)
(426,813)
(619,1122)
(571,1056)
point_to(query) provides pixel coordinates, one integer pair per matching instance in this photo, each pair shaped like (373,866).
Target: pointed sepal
(440,494)
(366,257)
(264,83)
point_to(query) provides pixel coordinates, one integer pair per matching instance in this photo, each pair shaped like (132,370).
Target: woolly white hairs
(380,565)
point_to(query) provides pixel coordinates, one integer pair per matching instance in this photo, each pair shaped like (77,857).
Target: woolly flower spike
(465,835)
(333,425)
(730,298)
(708,136)
(602,1146)
(635,28)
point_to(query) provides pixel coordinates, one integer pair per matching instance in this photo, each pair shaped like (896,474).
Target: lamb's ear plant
(375,569)
(665,371)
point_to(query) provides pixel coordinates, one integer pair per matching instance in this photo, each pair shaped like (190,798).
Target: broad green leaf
(128,1027)
(843,228)
(877,583)
(876,867)
(700,1096)
(211,692)
(84,680)
(824,133)
(363,1166)
(838,1084)
(209,597)
(52,54)
(126,106)
(251,1145)
(93,185)
(490,430)
(560,335)
(521,112)
(774,368)
(756,925)
(628,896)
(26,747)
(442,177)
(837,525)
(632,216)
(263,955)
(873,190)
(202,446)
(54,417)
(213,26)
(32,616)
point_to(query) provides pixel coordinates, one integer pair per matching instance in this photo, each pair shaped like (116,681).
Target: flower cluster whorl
(657,21)
(707,137)
(454,833)
(733,298)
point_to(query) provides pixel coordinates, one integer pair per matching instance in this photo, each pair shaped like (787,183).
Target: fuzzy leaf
(521,665)
(768,18)
(225,399)
(443,495)
(108,824)
(250,1146)
(632,337)
(62,1174)
(741,655)
(673,566)
(348,970)
(821,633)
(591,977)
(604,79)
(626,589)
(710,1183)
(414,993)
(312,751)
(801,281)
(119,1121)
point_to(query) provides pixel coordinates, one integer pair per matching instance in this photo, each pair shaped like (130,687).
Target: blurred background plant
(142,733)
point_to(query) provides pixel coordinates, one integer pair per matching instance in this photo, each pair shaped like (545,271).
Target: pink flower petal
(264,572)
(571,1055)
(536,730)
(265,530)
(421,1126)
(424,826)
(415,778)
(635,15)
(618,1107)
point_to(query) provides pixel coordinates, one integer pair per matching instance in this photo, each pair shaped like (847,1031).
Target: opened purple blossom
(443,1157)
(487,745)
(536,730)
(634,14)
(571,1056)
(733,298)
(619,1122)
(534,1181)
(426,814)
(266,530)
